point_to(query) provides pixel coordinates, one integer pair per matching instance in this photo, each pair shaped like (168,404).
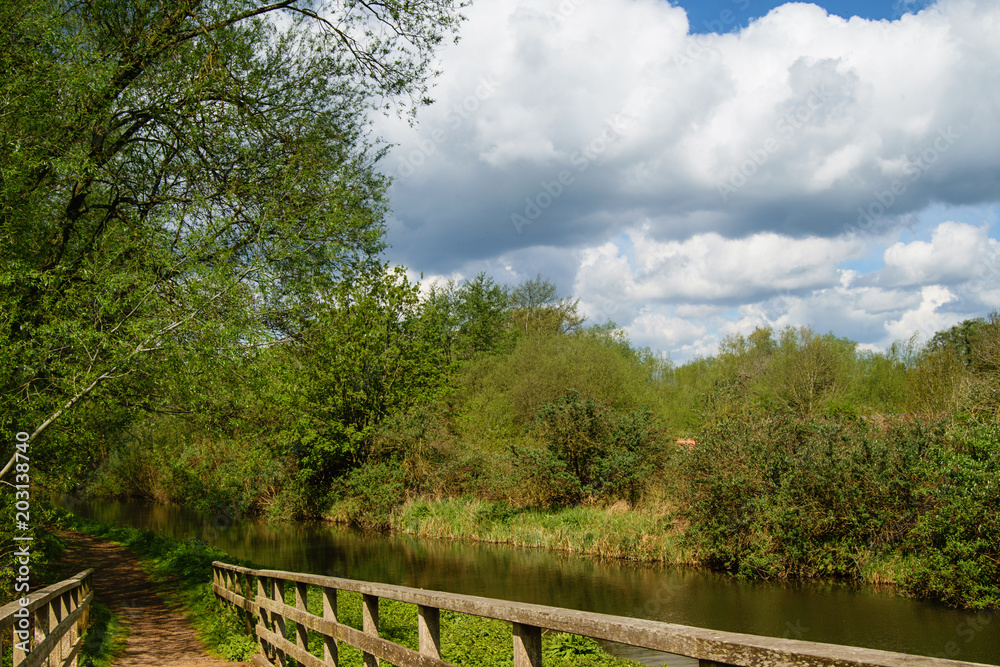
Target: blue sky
(707,16)
(690,173)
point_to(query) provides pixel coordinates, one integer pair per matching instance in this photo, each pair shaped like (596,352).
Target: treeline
(812,457)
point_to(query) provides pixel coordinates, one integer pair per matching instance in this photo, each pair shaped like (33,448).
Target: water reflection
(817,612)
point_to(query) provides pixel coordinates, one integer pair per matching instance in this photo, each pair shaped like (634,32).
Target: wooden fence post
(369,624)
(263,645)
(429,631)
(301,632)
(330,654)
(277,619)
(527,646)
(19,654)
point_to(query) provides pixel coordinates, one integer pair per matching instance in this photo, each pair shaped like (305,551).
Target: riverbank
(908,504)
(618,531)
(641,535)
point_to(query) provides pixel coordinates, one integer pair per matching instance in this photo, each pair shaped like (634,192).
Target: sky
(694,170)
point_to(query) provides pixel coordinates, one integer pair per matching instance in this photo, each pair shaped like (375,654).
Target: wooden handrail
(270,612)
(49,628)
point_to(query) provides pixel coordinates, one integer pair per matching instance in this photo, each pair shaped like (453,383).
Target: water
(826,612)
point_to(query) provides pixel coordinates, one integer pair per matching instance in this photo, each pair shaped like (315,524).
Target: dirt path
(160,636)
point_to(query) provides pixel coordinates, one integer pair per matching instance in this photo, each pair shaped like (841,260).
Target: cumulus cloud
(801,124)
(956,253)
(709,268)
(694,183)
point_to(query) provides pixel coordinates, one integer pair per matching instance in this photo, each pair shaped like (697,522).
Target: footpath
(159,635)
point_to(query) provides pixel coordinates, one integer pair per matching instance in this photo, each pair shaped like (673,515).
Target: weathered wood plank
(38,598)
(527,646)
(40,652)
(380,648)
(331,656)
(369,624)
(301,632)
(728,648)
(429,631)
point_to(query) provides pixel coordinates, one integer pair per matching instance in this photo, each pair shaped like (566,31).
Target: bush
(610,455)
(369,495)
(957,537)
(542,479)
(782,497)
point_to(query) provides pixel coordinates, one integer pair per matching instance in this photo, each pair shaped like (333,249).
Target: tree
(372,352)
(185,175)
(537,309)
(959,339)
(475,315)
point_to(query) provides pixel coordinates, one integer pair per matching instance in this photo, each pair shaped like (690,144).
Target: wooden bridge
(48,628)
(282,623)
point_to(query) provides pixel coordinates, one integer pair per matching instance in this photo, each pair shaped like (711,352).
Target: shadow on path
(159,636)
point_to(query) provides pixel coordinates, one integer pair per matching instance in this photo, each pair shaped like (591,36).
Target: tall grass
(617,531)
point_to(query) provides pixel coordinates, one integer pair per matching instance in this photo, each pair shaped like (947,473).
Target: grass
(105,638)
(616,531)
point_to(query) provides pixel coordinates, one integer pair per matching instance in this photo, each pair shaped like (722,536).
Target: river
(823,612)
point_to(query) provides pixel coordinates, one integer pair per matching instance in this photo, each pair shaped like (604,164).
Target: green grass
(104,639)
(612,532)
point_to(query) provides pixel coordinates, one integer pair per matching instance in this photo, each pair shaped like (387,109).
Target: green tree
(372,352)
(538,309)
(475,314)
(184,175)
(960,339)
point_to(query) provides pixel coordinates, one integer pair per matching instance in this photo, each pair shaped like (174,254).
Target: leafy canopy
(185,175)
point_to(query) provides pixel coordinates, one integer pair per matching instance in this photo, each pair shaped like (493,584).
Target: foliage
(608,455)
(538,310)
(371,352)
(497,397)
(781,497)
(957,536)
(180,178)
(45,553)
(370,494)
(104,639)
(474,316)
(563,646)
(959,340)
(170,461)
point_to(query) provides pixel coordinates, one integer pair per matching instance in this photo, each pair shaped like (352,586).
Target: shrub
(371,493)
(782,497)
(609,454)
(956,537)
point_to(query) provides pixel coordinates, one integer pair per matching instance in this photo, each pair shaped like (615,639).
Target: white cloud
(749,180)
(924,320)
(708,267)
(957,252)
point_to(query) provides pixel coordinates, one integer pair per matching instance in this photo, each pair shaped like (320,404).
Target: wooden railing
(49,629)
(260,594)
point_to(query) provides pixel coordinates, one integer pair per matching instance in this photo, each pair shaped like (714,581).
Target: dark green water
(830,612)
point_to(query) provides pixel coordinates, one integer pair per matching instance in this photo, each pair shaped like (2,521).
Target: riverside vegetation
(493,414)
(194,309)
